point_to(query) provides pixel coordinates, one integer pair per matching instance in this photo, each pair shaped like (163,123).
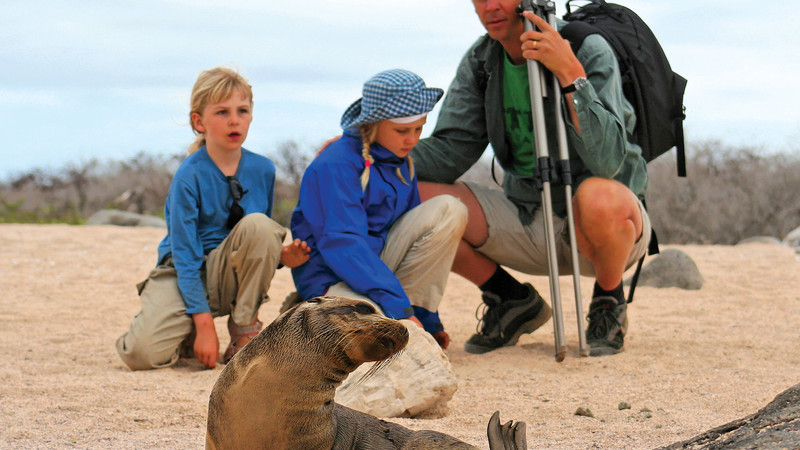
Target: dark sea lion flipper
(520,436)
(509,436)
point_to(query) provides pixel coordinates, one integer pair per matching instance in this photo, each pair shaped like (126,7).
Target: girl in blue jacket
(359,210)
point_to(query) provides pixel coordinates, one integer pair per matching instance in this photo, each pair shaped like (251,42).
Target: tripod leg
(583,347)
(536,83)
(566,179)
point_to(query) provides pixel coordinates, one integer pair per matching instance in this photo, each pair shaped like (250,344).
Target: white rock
(125,219)
(416,380)
(793,238)
(760,240)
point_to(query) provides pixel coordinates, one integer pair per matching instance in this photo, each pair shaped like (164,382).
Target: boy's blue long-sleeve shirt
(346,227)
(197,207)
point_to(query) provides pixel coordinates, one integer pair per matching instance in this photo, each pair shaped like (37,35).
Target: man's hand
(327,143)
(295,253)
(206,344)
(548,47)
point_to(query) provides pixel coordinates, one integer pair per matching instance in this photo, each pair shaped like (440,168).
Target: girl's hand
(442,338)
(295,253)
(415,320)
(327,143)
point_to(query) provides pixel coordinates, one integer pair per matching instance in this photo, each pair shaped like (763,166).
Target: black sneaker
(505,321)
(608,322)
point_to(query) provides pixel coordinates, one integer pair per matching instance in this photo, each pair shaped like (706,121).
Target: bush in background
(72,194)
(730,193)
(290,163)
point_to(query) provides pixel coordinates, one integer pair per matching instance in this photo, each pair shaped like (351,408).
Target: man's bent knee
(602,190)
(600,197)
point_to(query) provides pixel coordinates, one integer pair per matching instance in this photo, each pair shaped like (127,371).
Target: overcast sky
(106,79)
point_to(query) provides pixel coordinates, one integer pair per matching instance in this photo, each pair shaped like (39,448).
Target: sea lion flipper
(509,436)
(493,432)
(520,436)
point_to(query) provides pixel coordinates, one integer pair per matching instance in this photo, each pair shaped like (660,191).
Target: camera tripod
(537,81)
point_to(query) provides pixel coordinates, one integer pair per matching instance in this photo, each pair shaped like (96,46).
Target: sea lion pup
(278,391)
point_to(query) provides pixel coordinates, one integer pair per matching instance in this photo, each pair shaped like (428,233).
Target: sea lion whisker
(377,367)
(342,338)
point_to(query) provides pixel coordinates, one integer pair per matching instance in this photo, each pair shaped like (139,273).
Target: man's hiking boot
(505,321)
(608,322)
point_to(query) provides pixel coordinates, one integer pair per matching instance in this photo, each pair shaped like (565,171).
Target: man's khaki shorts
(523,247)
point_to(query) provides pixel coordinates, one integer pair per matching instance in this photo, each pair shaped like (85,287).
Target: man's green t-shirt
(518,119)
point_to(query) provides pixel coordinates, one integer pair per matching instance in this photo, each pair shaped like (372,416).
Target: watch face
(581,82)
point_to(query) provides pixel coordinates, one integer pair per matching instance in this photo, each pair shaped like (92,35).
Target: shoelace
(480,313)
(484,311)
(601,320)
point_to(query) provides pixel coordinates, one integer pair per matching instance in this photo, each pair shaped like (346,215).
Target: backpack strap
(680,86)
(575,32)
(680,149)
(652,249)
(635,279)
(598,3)
(494,176)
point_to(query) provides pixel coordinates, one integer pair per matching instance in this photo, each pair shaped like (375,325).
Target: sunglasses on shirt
(237,192)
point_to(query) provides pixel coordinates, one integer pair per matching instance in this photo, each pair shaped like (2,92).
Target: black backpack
(648,82)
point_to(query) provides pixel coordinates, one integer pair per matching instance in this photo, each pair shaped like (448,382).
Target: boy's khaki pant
(237,275)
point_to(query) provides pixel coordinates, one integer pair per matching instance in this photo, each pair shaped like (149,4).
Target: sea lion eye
(365,308)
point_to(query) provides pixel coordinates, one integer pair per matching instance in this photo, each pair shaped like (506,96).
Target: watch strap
(579,82)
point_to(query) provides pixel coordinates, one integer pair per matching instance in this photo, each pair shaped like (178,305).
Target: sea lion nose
(403,340)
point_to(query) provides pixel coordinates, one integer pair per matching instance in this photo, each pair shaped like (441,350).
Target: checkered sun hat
(389,95)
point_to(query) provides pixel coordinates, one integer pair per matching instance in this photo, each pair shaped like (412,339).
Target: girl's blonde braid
(368,133)
(410,171)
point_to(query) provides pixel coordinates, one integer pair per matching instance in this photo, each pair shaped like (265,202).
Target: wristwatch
(579,83)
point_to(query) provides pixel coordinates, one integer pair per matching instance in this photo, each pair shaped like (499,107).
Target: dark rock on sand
(671,268)
(776,426)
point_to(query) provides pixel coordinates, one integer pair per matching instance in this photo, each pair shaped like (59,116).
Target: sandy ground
(693,359)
